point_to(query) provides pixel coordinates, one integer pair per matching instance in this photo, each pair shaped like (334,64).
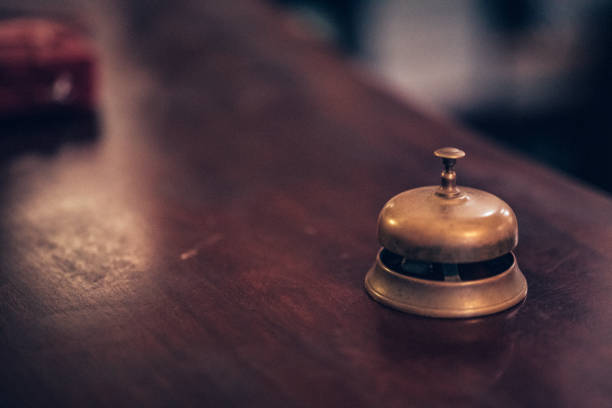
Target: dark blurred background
(532,74)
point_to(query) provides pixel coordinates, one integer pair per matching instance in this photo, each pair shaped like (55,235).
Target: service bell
(447,250)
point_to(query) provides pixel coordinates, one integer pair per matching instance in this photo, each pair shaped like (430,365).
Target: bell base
(446,299)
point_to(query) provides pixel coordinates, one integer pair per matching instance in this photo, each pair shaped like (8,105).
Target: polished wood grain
(208,245)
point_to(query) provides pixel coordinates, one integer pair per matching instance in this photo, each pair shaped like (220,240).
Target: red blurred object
(44,65)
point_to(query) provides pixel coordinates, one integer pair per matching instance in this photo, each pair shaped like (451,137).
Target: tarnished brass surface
(447,224)
(446,299)
(435,232)
(421,225)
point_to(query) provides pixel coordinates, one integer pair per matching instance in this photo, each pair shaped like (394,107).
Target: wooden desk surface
(208,248)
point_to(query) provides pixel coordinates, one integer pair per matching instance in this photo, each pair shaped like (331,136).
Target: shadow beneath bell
(450,357)
(45,132)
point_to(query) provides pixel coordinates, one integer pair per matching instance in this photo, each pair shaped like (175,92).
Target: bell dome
(447,224)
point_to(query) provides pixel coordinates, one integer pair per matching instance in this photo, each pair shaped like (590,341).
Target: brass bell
(447,250)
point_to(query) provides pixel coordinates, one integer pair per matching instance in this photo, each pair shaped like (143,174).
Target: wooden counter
(208,246)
